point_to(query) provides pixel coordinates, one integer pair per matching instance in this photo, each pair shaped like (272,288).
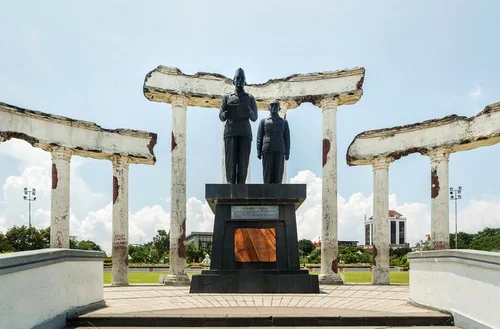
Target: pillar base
(330,279)
(120,284)
(176,280)
(381,278)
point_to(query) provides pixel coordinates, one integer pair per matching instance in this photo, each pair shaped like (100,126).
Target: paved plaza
(342,299)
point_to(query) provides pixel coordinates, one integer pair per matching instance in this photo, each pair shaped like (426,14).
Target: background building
(397,230)
(200,238)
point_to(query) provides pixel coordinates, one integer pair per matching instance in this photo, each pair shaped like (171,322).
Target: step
(258,320)
(302,327)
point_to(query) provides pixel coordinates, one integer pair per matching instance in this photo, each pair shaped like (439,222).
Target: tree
(83,245)
(487,239)
(315,256)
(306,246)
(194,254)
(464,240)
(25,238)
(423,245)
(5,245)
(142,254)
(161,243)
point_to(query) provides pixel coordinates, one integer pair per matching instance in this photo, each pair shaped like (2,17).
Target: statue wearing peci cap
(236,110)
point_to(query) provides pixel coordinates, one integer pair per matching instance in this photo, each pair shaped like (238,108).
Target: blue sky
(423,59)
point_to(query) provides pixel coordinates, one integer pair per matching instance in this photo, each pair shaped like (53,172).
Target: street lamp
(30,196)
(456,195)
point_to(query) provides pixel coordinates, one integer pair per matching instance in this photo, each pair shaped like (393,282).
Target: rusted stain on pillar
(174,144)
(152,142)
(374,262)
(335,265)
(359,85)
(59,240)
(181,249)
(115,189)
(434,184)
(326,150)
(440,245)
(54,176)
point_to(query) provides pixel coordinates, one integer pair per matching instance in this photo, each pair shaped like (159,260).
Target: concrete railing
(465,283)
(40,288)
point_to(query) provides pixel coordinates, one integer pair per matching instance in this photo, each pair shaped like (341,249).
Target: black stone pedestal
(243,206)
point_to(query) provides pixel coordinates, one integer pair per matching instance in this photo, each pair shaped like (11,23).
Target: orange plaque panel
(255,245)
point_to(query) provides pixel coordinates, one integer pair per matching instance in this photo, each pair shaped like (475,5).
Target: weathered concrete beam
(84,138)
(456,133)
(206,89)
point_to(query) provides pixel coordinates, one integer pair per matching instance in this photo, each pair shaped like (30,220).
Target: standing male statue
(236,109)
(273,144)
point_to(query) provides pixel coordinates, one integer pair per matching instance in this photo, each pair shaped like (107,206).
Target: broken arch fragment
(206,89)
(456,133)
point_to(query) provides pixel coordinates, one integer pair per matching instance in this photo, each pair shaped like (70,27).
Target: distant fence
(465,283)
(40,288)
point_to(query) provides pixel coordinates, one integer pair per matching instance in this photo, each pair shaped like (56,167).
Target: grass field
(350,277)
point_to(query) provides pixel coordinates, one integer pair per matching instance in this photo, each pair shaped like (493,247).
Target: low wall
(465,283)
(40,288)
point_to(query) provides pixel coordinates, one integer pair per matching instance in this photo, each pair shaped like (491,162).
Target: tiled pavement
(343,299)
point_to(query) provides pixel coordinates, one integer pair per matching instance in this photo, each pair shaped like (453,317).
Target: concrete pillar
(119,253)
(59,208)
(329,225)
(440,227)
(177,274)
(381,227)
(282,113)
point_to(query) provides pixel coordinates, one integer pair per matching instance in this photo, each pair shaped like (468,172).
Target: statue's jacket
(240,109)
(273,135)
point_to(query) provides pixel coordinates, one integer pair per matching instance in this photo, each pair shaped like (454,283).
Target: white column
(381,227)
(440,226)
(177,274)
(224,178)
(329,225)
(60,200)
(282,113)
(119,253)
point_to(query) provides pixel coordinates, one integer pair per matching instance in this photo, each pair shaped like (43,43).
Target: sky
(87,60)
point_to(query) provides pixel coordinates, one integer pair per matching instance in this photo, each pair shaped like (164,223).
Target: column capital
(179,101)
(441,154)
(60,152)
(329,103)
(381,163)
(120,161)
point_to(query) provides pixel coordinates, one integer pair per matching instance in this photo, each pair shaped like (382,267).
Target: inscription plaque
(255,212)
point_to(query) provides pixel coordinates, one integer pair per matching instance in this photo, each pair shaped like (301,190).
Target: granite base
(256,281)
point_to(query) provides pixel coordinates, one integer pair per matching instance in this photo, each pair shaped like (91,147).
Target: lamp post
(30,196)
(456,195)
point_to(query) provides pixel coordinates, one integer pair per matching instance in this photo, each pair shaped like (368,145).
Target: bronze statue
(273,144)
(236,110)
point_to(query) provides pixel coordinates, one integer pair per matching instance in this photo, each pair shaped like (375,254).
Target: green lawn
(350,277)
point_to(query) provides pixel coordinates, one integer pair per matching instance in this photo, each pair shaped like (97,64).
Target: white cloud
(477,215)
(477,91)
(351,213)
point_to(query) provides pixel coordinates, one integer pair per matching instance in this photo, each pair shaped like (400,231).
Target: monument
(255,245)
(236,110)
(273,144)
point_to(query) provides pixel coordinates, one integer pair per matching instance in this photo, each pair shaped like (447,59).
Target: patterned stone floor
(343,299)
